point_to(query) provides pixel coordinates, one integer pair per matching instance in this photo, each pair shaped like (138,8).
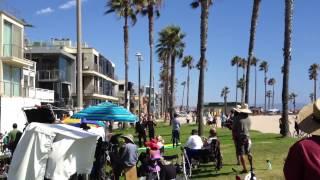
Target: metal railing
(12,50)
(95,90)
(12,89)
(50,75)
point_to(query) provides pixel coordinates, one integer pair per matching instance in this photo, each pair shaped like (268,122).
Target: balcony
(11,89)
(97,93)
(50,75)
(13,55)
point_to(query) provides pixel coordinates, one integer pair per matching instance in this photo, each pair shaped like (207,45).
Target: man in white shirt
(194,141)
(193,146)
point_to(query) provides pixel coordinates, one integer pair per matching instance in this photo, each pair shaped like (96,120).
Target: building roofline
(13,17)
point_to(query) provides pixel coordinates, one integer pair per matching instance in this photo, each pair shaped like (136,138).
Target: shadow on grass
(212,175)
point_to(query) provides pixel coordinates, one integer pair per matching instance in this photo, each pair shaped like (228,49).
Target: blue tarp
(106,112)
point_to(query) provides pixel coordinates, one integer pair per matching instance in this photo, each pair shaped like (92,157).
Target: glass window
(7,39)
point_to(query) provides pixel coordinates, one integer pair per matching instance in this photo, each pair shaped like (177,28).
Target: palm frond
(195,4)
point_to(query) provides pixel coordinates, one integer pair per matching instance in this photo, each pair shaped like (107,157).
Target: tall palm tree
(243,64)
(264,67)
(224,93)
(254,19)
(284,128)
(311,96)
(149,8)
(272,82)
(292,98)
(313,75)
(124,9)
(241,85)
(204,4)
(269,95)
(184,86)
(188,63)
(235,61)
(171,39)
(254,62)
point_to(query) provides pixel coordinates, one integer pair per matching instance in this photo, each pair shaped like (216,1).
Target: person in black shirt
(141,130)
(150,125)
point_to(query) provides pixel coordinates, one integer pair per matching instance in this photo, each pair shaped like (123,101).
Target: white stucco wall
(11,112)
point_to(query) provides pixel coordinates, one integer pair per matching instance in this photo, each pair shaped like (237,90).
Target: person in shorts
(175,131)
(243,141)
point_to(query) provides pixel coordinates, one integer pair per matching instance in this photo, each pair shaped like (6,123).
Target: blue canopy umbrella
(106,112)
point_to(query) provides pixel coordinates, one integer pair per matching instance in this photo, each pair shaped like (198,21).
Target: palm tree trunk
(203,47)
(294,105)
(287,59)
(151,22)
(315,89)
(244,88)
(255,86)
(166,104)
(237,77)
(172,97)
(126,59)
(225,104)
(254,18)
(265,91)
(273,96)
(188,84)
(184,86)
(268,102)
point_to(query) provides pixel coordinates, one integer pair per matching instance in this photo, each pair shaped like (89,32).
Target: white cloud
(69,4)
(47,10)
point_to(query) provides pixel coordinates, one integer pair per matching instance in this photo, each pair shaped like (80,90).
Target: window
(12,42)
(11,80)
(121,87)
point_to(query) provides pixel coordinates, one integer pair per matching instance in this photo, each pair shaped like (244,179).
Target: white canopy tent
(54,151)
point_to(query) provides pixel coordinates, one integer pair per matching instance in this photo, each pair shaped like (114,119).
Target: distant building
(120,93)
(218,107)
(59,55)
(17,75)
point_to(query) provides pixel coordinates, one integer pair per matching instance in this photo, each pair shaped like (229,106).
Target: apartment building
(17,75)
(98,71)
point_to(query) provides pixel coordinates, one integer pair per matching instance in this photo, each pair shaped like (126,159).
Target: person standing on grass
(141,131)
(150,125)
(14,137)
(243,140)
(175,130)
(303,160)
(234,120)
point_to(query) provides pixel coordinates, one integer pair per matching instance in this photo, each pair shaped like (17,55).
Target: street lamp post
(139,56)
(79,57)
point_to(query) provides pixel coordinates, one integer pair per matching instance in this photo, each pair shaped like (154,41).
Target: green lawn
(265,147)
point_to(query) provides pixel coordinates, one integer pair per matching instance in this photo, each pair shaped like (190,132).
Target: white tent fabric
(54,151)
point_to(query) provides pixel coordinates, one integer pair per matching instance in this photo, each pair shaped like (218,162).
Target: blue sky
(229,24)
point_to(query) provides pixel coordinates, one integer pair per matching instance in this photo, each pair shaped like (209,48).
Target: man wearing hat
(243,142)
(234,118)
(128,157)
(303,161)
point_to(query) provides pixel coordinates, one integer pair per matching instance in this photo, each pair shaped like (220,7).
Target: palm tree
(254,19)
(171,40)
(313,75)
(184,86)
(205,4)
(269,95)
(124,9)
(188,62)
(241,85)
(235,61)
(292,98)
(224,93)
(311,96)
(243,64)
(254,62)
(284,128)
(264,67)
(272,82)
(149,7)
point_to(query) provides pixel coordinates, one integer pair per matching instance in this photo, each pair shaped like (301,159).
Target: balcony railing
(95,90)
(12,50)
(12,89)
(50,75)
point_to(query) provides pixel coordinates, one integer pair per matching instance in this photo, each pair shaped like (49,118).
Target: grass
(265,147)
